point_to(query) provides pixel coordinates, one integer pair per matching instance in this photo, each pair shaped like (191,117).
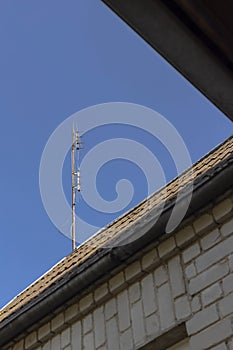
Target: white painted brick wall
(126,340)
(186,278)
(207,338)
(148,295)
(165,303)
(160,275)
(176,276)
(112,334)
(152,325)
(218,252)
(65,338)
(99,327)
(222,210)
(191,252)
(182,307)
(211,294)
(227,284)
(208,277)
(123,310)
(202,319)
(166,247)
(138,326)
(227,228)
(221,346)
(226,305)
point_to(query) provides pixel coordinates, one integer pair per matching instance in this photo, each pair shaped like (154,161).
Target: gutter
(207,188)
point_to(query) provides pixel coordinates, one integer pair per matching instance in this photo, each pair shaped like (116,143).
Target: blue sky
(57,58)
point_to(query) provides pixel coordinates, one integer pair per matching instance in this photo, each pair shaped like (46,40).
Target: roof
(76,259)
(95,259)
(195,37)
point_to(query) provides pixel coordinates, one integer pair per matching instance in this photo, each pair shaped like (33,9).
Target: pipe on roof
(206,189)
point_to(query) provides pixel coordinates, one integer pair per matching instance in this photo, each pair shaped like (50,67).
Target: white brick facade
(186,279)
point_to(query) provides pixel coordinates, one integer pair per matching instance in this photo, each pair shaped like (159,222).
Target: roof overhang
(195,37)
(207,187)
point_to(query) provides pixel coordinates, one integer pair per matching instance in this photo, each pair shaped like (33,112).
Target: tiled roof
(73,261)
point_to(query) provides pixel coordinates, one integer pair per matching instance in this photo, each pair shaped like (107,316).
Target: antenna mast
(75,182)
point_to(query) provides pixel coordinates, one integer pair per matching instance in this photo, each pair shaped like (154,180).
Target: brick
(44,332)
(71,313)
(191,252)
(160,275)
(149,260)
(86,302)
(212,335)
(231,262)
(99,327)
(203,223)
(56,342)
(182,308)
(137,317)
(87,323)
(104,347)
(148,295)
(57,322)
(202,319)
(152,325)
(47,346)
(222,210)
(210,239)
(228,284)
(227,228)
(65,338)
(220,347)
(134,292)
(101,292)
(123,310)
(217,253)
(126,340)
(231,344)
(133,270)
(88,342)
(68,347)
(195,304)
(112,334)
(208,277)
(110,308)
(166,247)
(226,305)
(30,340)
(165,306)
(190,271)
(211,294)
(176,276)
(19,345)
(184,236)
(116,282)
(76,336)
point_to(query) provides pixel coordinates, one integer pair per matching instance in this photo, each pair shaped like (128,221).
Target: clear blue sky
(58,57)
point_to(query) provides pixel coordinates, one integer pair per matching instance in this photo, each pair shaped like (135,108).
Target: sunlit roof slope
(91,252)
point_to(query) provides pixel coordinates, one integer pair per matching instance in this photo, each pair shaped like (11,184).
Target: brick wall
(182,286)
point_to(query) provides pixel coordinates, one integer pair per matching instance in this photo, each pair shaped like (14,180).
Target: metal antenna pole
(73,187)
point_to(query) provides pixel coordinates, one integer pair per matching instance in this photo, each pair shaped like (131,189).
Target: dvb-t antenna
(75,180)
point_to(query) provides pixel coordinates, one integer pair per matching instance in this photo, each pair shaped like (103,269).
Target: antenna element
(75,182)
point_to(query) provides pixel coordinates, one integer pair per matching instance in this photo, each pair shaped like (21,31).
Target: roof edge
(210,185)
